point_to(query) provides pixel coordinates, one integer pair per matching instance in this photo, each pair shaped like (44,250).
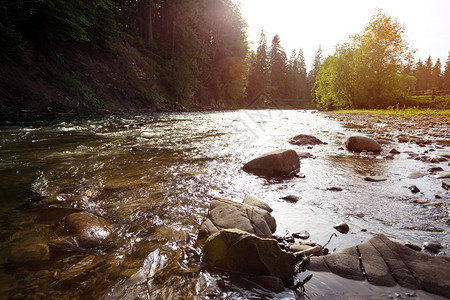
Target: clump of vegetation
(81,93)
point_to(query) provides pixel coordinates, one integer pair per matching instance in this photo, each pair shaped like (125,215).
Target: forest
(199,54)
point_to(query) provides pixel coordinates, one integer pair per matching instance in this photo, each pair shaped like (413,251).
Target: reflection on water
(152,177)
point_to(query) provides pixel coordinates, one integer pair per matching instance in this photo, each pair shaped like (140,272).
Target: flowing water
(152,177)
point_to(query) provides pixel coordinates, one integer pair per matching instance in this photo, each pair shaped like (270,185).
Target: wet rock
(359,143)
(402,138)
(290,198)
(334,188)
(434,169)
(270,283)
(415,175)
(434,247)
(29,251)
(253,201)
(414,189)
(389,157)
(446,184)
(413,246)
(302,155)
(301,235)
(342,227)
(443,175)
(304,139)
(437,197)
(301,247)
(277,163)
(382,141)
(227,214)
(86,230)
(394,151)
(239,251)
(381,257)
(375,178)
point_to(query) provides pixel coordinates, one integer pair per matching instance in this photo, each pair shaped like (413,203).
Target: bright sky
(306,24)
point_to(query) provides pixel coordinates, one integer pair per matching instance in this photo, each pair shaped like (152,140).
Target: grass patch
(408,112)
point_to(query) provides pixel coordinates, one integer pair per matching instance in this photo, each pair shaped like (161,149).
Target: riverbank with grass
(406,112)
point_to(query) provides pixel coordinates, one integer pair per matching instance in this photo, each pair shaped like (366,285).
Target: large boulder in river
(86,230)
(359,143)
(305,139)
(277,163)
(239,251)
(387,263)
(227,214)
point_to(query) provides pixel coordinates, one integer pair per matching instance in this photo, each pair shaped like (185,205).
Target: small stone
(435,169)
(301,235)
(342,227)
(403,139)
(415,175)
(414,189)
(296,248)
(375,178)
(434,247)
(290,198)
(446,185)
(334,188)
(437,197)
(341,148)
(389,157)
(413,246)
(394,151)
(364,230)
(443,175)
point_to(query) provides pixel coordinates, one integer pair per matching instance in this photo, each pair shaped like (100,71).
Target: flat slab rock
(388,263)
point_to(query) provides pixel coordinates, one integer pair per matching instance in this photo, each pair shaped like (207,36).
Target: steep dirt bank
(73,77)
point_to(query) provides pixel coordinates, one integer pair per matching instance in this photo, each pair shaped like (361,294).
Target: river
(152,177)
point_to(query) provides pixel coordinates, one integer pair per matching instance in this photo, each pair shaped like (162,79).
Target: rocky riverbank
(399,128)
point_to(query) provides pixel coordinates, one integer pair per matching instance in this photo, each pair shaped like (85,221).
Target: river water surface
(153,182)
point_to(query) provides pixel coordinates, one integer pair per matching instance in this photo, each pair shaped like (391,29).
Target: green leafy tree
(369,67)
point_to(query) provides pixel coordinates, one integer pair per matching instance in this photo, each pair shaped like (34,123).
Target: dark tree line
(430,76)
(200,46)
(273,73)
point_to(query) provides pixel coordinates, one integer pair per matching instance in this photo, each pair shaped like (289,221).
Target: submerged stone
(375,178)
(305,139)
(239,251)
(87,230)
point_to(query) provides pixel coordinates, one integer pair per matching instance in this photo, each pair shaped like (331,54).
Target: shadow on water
(152,178)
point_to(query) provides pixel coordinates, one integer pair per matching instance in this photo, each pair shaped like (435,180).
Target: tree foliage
(199,45)
(366,71)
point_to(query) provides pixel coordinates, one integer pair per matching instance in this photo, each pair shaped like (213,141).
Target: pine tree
(259,77)
(303,80)
(420,74)
(318,59)
(428,69)
(436,75)
(446,75)
(278,68)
